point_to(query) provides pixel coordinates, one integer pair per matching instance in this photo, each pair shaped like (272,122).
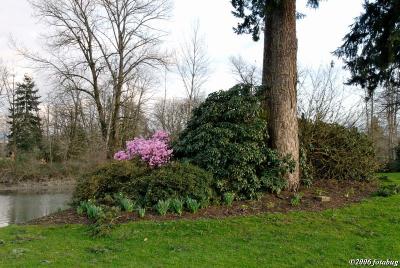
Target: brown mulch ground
(341,194)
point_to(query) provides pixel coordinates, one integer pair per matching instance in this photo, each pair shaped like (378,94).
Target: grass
(300,239)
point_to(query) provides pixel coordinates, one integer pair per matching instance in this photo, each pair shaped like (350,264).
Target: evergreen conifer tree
(25,133)
(371,50)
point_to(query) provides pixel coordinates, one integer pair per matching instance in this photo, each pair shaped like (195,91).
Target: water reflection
(20,207)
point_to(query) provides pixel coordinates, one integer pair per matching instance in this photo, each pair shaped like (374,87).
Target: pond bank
(65,184)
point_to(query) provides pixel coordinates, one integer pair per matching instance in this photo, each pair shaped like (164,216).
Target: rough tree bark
(280,79)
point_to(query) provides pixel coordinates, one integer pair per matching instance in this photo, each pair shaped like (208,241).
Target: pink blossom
(121,155)
(154,151)
(161,136)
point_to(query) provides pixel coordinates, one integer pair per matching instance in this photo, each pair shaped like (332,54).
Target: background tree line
(104,59)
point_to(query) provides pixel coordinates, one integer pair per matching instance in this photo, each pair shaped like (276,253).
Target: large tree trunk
(280,80)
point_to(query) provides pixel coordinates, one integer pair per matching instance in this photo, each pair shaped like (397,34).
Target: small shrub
(108,179)
(296,199)
(141,212)
(229,198)
(171,181)
(162,207)
(388,190)
(177,206)
(192,204)
(104,223)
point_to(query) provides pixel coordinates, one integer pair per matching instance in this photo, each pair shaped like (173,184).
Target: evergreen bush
(228,137)
(336,152)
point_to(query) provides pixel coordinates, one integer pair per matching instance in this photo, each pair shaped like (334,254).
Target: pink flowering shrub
(154,151)
(121,155)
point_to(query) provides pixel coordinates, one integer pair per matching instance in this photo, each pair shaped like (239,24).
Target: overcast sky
(319,33)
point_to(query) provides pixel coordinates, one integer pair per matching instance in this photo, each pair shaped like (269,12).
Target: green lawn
(331,238)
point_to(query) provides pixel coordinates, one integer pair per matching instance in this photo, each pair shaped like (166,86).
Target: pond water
(21,206)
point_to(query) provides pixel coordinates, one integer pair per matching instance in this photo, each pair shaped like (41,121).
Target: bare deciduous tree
(245,72)
(323,97)
(170,115)
(193,65)
(98,46)
(130,40)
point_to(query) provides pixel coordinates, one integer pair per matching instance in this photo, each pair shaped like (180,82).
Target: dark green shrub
(227,136)
(143,185)
(336,152)
(174,180)
(108,179)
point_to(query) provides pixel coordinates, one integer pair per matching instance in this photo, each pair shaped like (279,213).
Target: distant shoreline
(39,186)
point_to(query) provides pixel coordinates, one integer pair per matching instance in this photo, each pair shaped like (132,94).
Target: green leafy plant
(177,206)
(141,212)
(306,168)
(124,203)
(81,209)
(90,209)
(192,204)
(229,198)
(162,206)
(296,199)
(227,135)
(104,223)
(94,212)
